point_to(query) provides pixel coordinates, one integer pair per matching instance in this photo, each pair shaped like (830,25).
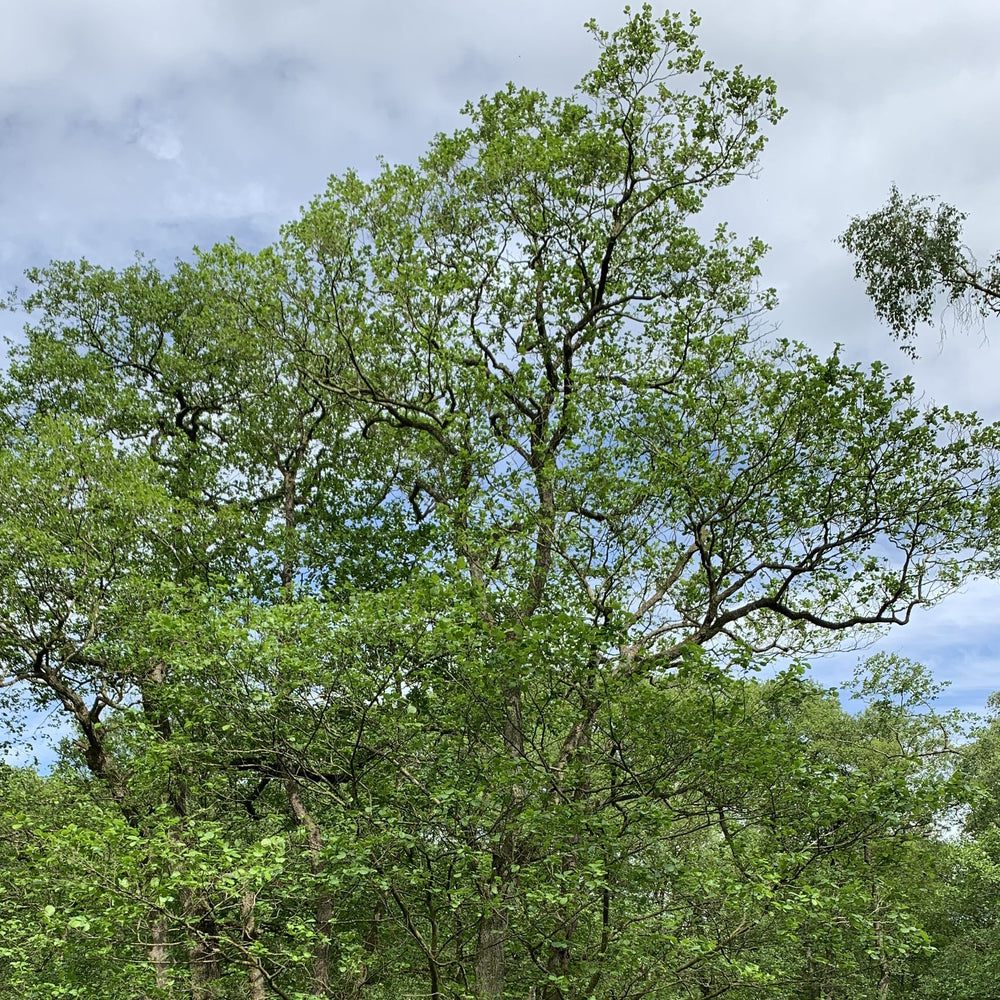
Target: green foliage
(909,254)
(405,585)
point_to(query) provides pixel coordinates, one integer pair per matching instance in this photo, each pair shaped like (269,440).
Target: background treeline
(429,596)
(737,836)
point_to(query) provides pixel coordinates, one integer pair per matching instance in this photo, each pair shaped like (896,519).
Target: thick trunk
(206,969)
(490,964)
(158,957)
(491,954)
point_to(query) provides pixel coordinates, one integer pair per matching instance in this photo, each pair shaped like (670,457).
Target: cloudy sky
(155,125)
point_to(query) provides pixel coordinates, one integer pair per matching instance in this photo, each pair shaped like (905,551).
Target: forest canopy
(430,595)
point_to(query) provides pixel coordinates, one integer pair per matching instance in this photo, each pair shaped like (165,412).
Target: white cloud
(160,140)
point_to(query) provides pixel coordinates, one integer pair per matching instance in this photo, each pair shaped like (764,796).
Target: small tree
(910,255)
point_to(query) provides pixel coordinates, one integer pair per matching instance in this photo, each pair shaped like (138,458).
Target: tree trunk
(205,964)
(884,968)
(323,906)
(491,954)
(490,962)
(256,980)
(158,954)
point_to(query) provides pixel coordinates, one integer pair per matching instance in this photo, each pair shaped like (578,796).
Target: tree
(438,542)
(910,254)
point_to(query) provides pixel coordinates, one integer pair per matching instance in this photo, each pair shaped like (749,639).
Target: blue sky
(154,125)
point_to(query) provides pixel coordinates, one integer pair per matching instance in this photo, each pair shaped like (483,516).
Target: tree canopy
(429,595)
